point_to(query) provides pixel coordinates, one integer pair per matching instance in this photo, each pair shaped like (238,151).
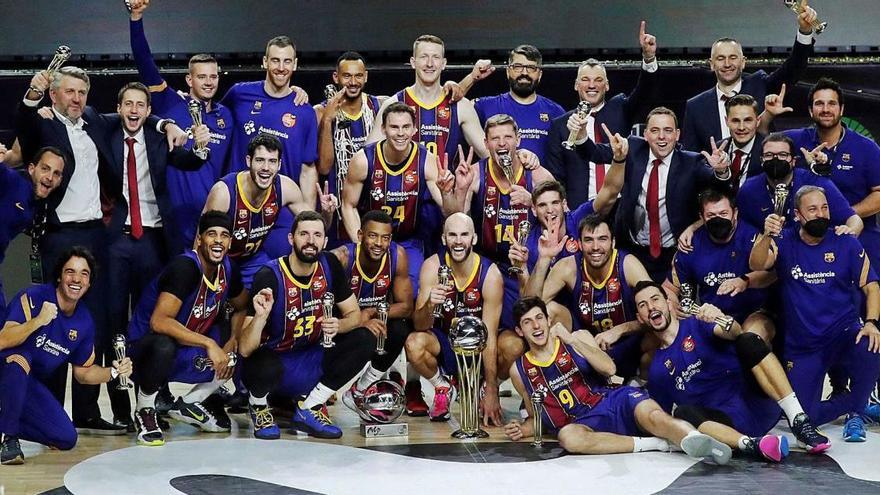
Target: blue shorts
(303,369)
(616,412)
(415,256)
(751,412)
(446,358)
(248,267)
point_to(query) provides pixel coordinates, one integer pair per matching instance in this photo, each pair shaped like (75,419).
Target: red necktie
(134,205)
(652,203)
(736,165)
(600,167)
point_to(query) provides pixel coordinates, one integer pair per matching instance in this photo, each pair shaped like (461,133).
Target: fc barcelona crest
(291,292)
(845,157)
(72,334)
(544,117)
(829,257)
(221,124)
(242,214)
(533,372)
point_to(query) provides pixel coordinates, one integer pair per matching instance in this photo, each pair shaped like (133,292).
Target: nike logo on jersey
(18,205)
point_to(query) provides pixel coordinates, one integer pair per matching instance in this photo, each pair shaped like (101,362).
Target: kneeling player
(33,346)
(173,333)
(591,419)
(701,372)
(282,336)
(377,271)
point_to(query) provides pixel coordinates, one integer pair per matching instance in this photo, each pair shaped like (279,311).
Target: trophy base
(374,430)
(462,435)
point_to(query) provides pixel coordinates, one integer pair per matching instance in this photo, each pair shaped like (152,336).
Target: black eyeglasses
(531,69)
(782,155)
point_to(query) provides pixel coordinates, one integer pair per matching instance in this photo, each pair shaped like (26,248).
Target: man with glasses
(755,197)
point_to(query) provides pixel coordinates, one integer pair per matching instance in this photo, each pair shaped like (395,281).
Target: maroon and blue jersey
(496,219)
(371,289)
(202,300)
(436,122)
(599,305)
(255,112)
(572,245)
(817,286)
(17,205)
(400,190)
(711,263)
(569,381)
(347,142)
(755,199)
(66,339)
(465,298)
(251,222)
(534,119)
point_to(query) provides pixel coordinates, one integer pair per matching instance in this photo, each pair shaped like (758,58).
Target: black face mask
(817,227)
(719,228)
(775,168)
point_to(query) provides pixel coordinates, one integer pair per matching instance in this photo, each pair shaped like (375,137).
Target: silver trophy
(342,122)
(444,275)
(195,111)
(795,6)
(119,350)
(328,301)
(780,196)
(382,312)
(689,305)
(468,339)
(583,111)
(522,232)
(381,405)
(537,398)
(505,161)
(202,363)
(62,53)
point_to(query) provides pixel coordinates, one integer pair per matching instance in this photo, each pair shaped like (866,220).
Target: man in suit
(659,197)
(136,187)
(704,116)
(618,113)
(74,208)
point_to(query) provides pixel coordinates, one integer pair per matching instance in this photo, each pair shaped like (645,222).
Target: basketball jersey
(495,218)
(293,320)
(198,310)
(370,290)
(251,223)
(564,378)
(601,305)
(436,122)
(466,298)
(398,192)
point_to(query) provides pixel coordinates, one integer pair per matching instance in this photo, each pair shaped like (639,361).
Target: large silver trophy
(583,111)
(537,399)
(195,112)
(689,305)
(328,301)
(342,122)
(468,337)
(62,53)
(780,196)
(119,350)
(382,312)
(382,404)
(202,363)
(795,6)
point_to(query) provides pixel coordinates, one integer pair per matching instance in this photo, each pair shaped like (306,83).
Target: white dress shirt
(722,111)
(81,201)
(149,207)
(643,236)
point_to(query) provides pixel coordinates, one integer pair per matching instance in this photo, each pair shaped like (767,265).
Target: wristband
(746,278)
(872,320)
(36,91)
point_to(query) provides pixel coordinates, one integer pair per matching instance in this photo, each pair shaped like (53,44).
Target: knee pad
(750,349)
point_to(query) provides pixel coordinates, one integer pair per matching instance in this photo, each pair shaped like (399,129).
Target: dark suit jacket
(688,175)
(701,118)
(570,166)
(159,157)
(753,161)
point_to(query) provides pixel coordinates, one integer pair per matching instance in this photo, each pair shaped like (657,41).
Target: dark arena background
(566,32)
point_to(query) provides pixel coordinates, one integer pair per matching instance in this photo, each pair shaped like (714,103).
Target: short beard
(522,90)
(304,257)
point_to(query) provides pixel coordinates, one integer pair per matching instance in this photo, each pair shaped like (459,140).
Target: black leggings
(153,360)
(398,331)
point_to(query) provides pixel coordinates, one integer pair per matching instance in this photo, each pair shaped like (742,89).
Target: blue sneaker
(872,412)
(854,429)
(315,422)
(264,424)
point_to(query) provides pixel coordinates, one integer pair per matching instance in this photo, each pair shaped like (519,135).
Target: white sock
(202,391)
(368,377)
(257,401)
(438,380)
(645,444)
(791,406)
(146,400)
(319,395)
(743,443)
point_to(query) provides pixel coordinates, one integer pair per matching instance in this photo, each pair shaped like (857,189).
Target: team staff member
(33,346)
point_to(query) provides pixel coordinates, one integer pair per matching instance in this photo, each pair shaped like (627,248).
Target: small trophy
(795,6)
(328,301)
(381,405)
(780,196)
(202,363)
(342,122)
(689,306)
(505,161)
(468,339)
(537,399)
(522,231)
(119,349)
(382,311)
(444,275)
(195,111)
(583,111)
(62,53)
